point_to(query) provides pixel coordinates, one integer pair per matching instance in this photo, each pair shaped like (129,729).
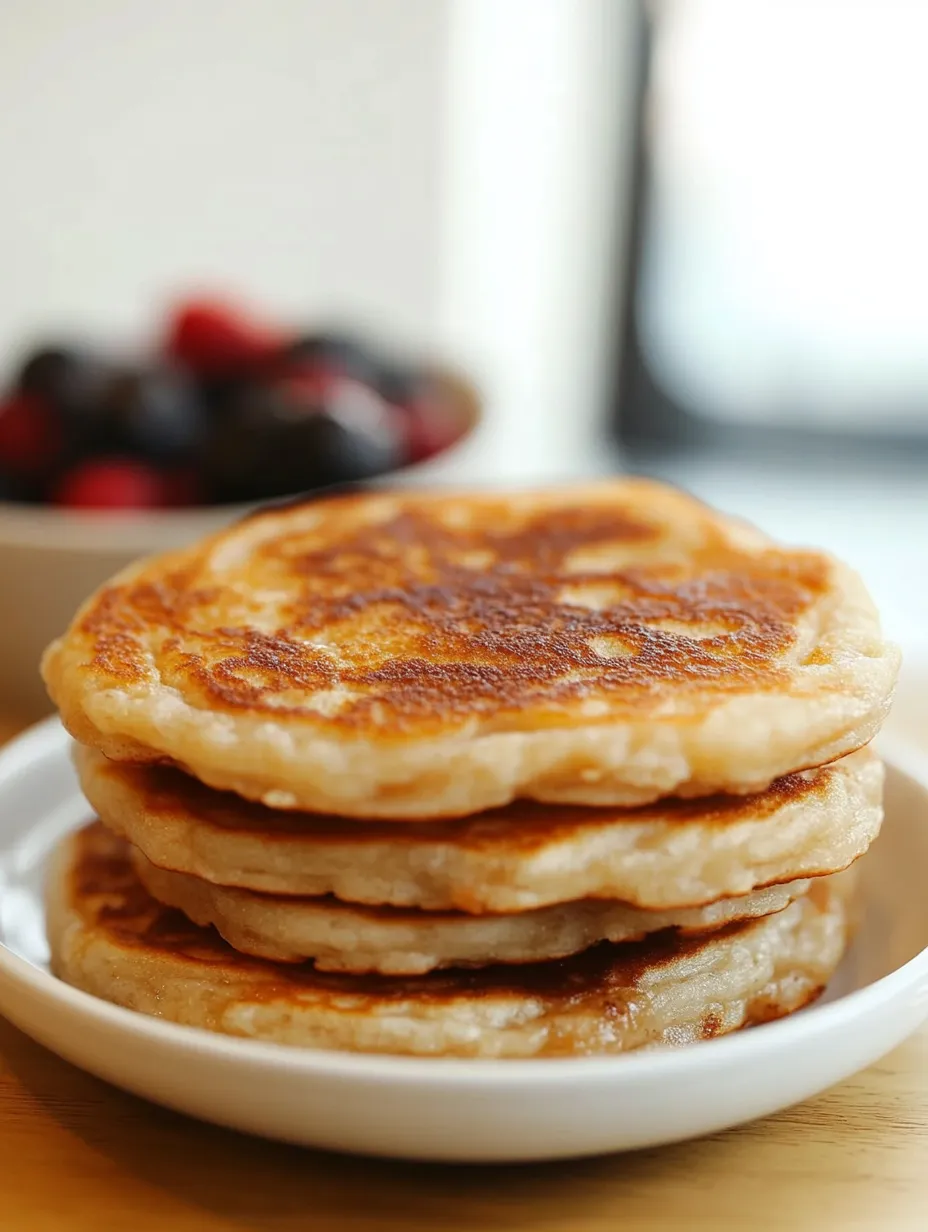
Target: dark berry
(367,442)
(398,383)
(249,454)
(182,487)
(44,371)
(351,437)
(155,413)
(19,489)
(213,339)
(65,377)
(31,436)
(298,435)
(219,394)
(111,483)
(335,354)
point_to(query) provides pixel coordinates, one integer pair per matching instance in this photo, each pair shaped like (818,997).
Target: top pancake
(411,656)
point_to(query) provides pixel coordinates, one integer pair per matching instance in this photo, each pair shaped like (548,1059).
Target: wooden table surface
(77,1154)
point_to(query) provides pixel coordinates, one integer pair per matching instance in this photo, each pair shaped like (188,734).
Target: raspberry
(213,340)
(111,483)
(31,438)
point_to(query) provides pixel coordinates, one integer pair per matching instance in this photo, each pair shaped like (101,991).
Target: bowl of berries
(105,458)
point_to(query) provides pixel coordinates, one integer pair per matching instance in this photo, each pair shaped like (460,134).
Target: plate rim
(48,738)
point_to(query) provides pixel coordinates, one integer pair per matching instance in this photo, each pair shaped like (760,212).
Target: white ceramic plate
(454,1109)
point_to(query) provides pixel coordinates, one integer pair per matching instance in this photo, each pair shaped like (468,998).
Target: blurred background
(684,238)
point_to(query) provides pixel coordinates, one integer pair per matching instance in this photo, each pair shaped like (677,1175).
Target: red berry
(212,339)
(426,433)
(111,483)
(30,435)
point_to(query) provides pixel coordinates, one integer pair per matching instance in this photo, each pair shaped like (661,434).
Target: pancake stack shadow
(540,774)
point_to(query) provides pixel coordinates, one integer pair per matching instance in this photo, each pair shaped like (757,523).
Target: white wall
(287,148)
(538,135)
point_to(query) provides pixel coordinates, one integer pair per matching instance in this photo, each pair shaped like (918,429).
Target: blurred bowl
(51,559)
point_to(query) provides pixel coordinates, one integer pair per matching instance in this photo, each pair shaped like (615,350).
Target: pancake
(395,941)
(110,938)
(664,857)
(414,656)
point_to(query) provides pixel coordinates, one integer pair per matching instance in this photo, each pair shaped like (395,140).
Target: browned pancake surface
(523,825)
(425,617)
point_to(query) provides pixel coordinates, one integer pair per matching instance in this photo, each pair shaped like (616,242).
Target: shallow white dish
(466,1110)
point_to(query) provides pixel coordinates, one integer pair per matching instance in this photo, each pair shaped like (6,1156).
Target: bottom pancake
(110,938)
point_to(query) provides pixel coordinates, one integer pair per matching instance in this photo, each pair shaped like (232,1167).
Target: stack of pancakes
(560,772)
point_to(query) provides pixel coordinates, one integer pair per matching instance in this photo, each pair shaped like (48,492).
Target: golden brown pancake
(416,655)
(340,936)
(110,938)
(670,856)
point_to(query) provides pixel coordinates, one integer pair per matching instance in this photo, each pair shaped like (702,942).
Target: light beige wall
(291,148)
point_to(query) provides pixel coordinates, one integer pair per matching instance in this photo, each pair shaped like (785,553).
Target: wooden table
(78,1155)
